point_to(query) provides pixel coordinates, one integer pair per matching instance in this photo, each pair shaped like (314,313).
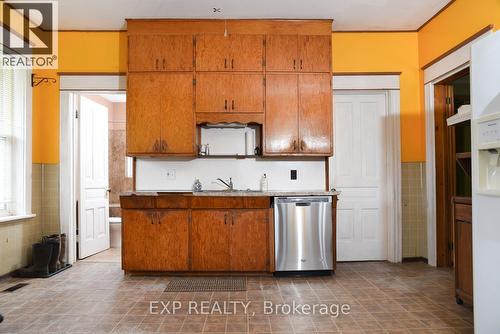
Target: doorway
(452,159)
(361,170)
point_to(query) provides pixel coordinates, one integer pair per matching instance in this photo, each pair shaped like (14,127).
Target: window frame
(22,156)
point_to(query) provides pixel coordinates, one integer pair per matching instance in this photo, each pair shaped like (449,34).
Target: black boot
(62,254)
(41,258)
(55,241)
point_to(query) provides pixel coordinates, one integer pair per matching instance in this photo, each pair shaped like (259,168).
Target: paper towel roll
(249,142)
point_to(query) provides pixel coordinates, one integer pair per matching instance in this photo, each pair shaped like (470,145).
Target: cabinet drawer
(230,202)
(137,202)
(463,212)
(172,202)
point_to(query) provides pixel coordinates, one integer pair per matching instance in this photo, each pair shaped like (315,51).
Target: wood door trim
(458,46)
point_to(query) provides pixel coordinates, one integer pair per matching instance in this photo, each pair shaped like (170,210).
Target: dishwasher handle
(303,204)
(303,201)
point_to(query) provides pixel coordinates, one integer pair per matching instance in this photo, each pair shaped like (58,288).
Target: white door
(93,209)
(358,170)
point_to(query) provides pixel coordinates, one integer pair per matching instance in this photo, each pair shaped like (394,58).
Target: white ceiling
(115,98)
(348,14)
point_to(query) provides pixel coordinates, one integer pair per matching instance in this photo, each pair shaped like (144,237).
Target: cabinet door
(212,90)
(138,228)
(212,52)
(175,52)
(177,114)
(463,260)
(247,52)
(247,93)
(281,127)
(171,240)
(249,240)
(143,113)
(315,53)
(281,53)
(142,53)
(210,240)
(315,114)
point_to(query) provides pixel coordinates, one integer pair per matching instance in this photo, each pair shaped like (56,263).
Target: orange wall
(78,52)
(459,21)
(389,52)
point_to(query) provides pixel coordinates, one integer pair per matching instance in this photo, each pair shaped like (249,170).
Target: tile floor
(97,297)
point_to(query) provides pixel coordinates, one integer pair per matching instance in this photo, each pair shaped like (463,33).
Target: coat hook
(35,81)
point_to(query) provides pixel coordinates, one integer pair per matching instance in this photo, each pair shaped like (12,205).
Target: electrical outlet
(170,174)
(293,174)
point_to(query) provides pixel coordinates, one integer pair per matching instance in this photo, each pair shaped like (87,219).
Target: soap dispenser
(197,187)
(263,183)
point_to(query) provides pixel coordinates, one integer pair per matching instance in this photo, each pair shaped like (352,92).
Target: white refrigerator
(485,100)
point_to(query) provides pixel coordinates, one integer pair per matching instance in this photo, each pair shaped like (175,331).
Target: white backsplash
(156,175)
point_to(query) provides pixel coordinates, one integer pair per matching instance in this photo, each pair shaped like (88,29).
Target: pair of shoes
(41,254)
(55,241)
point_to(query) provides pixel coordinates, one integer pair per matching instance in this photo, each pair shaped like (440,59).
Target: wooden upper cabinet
(229,92)
(212,52)
(281,125)
(282,53)
(247,93)
(247,52)
(143,113)
(315,53)
(210,240)
(215,52)
(149,53)
(249,245)
(315,114)
(212,92)
(177,114)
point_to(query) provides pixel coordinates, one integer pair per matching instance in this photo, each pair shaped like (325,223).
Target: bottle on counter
(263,183)
(197,185)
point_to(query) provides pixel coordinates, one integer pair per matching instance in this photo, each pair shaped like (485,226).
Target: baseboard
(415,259)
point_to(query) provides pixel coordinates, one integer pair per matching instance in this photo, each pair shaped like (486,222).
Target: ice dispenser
(487,129)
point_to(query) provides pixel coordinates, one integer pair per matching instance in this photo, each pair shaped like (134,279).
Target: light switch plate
(170,174)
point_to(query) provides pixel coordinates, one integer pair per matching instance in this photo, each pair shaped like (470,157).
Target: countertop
(271,193)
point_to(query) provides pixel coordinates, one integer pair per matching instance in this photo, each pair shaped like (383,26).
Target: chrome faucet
(228,185)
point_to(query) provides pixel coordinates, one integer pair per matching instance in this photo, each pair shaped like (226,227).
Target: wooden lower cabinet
(210,240)
(463,250)
(155,240)
(230,240)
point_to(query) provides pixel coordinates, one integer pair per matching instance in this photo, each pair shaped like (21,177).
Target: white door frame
(447,66)
(388,84)
(70,87)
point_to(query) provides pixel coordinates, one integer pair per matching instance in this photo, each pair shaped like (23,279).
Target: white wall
(246,173)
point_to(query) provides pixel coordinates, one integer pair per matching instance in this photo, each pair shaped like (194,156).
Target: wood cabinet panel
(281,125)
(212,52)
(177,114)
(143,113)
(249,246)
(247,93)
(136,229)
(160,53)
(315,53)
(315,113)
(281,53)
(247,52)
(212,92)
(210,240)
(463,261)
(171,240)
(176,52)
(230,202)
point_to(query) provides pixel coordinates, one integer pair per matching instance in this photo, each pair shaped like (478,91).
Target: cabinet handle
(156,63)
(232,63)
(301,64)
(302,144)
(225,219)
(294,144)
(225,104)
(158,218)
(152,219)
(232,104)
(156,146)
(294,64)
(225,62)
(164,145)
(163,63)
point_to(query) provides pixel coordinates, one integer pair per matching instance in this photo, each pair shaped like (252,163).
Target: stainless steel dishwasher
(303,234)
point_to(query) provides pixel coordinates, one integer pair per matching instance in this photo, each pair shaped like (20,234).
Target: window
(14,147)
